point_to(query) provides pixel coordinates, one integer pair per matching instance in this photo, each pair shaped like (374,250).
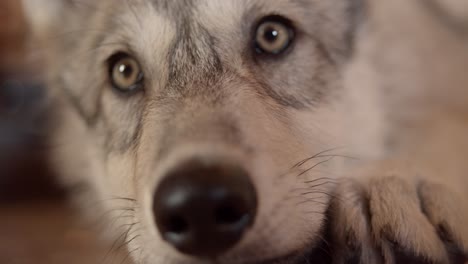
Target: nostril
(230,214)
(177,225)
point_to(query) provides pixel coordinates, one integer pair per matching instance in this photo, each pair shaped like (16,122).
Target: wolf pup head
(206,128)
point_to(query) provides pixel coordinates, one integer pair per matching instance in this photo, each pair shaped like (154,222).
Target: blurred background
(23,174)
(36,224)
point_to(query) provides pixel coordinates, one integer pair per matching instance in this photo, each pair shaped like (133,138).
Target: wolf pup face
(185,119)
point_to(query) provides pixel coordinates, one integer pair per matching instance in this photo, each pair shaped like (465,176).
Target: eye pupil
(271,35)
(126,70)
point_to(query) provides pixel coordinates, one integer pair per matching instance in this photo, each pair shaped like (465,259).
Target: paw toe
(397,216)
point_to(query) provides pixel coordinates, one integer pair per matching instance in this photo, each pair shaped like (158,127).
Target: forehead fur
(206,19)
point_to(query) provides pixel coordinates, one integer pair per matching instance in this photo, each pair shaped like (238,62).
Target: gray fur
(206,92)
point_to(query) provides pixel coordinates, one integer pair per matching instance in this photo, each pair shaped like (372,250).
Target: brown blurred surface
(46,233)
(36,226)
(12,34)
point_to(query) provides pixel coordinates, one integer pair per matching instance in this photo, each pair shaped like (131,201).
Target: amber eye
(125,73)
(274,35)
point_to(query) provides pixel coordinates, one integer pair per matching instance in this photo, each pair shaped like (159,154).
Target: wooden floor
(48,233)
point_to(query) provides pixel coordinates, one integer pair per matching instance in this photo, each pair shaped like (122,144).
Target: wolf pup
(205,130)
(211,131)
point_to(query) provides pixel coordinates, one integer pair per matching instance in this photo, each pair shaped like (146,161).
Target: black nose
(203,209)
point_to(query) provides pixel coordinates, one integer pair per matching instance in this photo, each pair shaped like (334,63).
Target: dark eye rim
(276,18)
(112,61)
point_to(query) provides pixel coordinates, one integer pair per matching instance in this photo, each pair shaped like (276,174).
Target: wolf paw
(394,217)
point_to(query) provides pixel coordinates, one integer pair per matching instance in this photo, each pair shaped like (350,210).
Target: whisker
(129,232)
(322,178)
(128,242)
(128,255)
(338,156)
(319,192)
(302,162)
(312,200)
(101,222)
(125,233)
(317,164)
(333,196)
(124,198)
(123,215)
(319,184)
